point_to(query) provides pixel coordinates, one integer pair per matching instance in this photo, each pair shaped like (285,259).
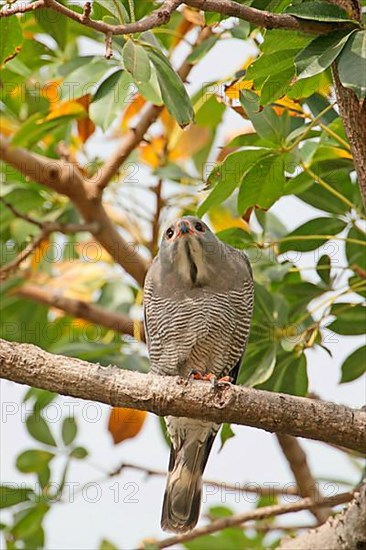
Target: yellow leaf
(286,104)
(248,62)
(193,15)
(189,142)
(168,121)
(221,218)
(66,108)
(152,153)
(52,91)
(86,126)
(7,126)
(132,110)
(39,253)
(233,91)
(125,423)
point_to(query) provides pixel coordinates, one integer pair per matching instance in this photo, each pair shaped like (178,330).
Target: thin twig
(257,514)
(108,46)
(250,487)
(21,8)
(87,11)
(13,265)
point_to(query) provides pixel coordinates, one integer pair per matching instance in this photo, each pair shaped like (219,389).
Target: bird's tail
(188,458)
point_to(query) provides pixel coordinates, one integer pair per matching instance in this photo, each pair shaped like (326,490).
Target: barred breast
(198,328)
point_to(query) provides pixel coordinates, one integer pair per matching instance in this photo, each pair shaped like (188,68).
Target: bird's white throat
(189,261)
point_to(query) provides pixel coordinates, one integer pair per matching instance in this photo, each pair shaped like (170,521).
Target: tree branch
(64,177)
(260,490)
(345,531)
(273,412)
(263,18)
(161,16)
(257,514)
(82,310)
(155,19)
(298,463)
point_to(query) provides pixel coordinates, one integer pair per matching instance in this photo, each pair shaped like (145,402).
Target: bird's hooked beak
(183,227)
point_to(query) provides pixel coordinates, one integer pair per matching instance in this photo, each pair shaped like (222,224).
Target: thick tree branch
(345,531)
(298,463)
(314,419)
(162,15)
(82,310)
(263,18)
(257,514)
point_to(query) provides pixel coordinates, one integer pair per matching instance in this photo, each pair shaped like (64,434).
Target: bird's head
(188,247)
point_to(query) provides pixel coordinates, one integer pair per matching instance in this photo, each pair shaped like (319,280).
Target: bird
(198,304)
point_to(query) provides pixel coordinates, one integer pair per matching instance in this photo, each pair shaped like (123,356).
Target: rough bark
(353,113)
(345,531)
(273,412)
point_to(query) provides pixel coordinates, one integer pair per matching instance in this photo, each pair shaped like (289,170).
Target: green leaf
(84,80)
(263,185)
(151,90)
(350,318)
(228,175)
(269,126)
(33,461)
(136,61)
(225,433)
(172,88)
(36,127)
(30,522)
(314,194)
(79,453)
(241,31)
(305,237)
(10,496)
(356,253)
(323,268)
(354,366)
(235,236)
(276,85)
(289,376)
(200,51)
(258,367)
(42,398)
(271,63)
(54,23)
(69,430)
(44,476)
(39,429)
(109,99)
(318,11)
(11,39)
(320,53)
(107,545)
(352,64)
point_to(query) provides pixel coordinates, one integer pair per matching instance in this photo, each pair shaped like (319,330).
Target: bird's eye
(169,233)
(199,227)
